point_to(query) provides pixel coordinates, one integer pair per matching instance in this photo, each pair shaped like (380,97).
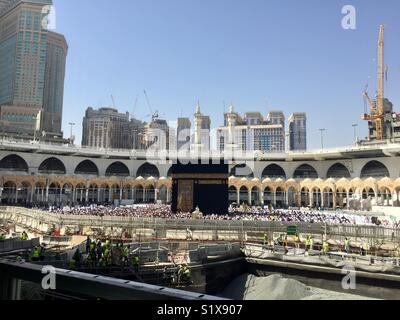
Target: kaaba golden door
(185,195)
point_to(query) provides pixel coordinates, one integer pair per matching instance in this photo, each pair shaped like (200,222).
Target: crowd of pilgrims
(235,213)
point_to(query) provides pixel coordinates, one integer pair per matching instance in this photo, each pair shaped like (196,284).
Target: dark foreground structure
(203,185)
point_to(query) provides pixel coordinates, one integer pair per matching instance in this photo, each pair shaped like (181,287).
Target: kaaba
(202,185)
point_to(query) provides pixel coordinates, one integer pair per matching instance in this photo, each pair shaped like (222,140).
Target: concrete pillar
(120,194)
(98,194)
(238,196)
(274,198)
(261,195)
(87,195)
(322,199)
(287,198)
(47,193)
(156,195)
(168,195)
(310,194)
(132,195)
(32,192)
(249,193)
(144,194)
(61,190)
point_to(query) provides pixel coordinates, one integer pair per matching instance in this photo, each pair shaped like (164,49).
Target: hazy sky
(291,55)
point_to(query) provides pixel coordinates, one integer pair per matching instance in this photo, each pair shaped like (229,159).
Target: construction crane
(376,114)
(113,101)
(154,115)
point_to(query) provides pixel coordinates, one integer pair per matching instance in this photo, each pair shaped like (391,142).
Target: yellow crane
(376,108)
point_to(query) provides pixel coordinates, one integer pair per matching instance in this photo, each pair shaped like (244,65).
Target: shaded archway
(242,171)
(13,163)
(67,194)
(163,193)
(148,170)
(54,193)
(150,194)
(328,198)
(273,171)
(87,167)
(316,198)
(80,193)
(8,193)
(291,197)
(232,194)
(117,169)
(341,198)
(368,193)
(268,196)
(280,197)
(39,193)
(338,171)
(244,195)
(52,166)
(305,197)
(139,192)
(255,197)
(374,169)
(305,171)
(93,193)
(385,197)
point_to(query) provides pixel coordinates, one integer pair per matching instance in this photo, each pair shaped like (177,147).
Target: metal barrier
(10,245)
(87,285)
(242,227)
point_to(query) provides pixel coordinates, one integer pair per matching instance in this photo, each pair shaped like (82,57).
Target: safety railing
(22,216)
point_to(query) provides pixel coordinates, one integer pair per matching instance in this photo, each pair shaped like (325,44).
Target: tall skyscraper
(253,133)
(183,133)
(106,128)
(29,58)
(298,132)
(57,49)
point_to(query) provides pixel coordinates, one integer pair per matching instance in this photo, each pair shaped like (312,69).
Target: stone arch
(268,195)
(280,197)
(52,166)
(117,169)
(242,171)
(163,194)
(291,196)
(232,194)
(338,171)
(374,169)
(305,171)
(255,196)
(150,194)
(87,167)
(244,195)
(139,193)
(273,171)
(13,162)
(9,192)
(368,192)
(148,170)
(169,173)
(328,198)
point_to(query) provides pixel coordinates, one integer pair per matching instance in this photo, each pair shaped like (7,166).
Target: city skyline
(290,72)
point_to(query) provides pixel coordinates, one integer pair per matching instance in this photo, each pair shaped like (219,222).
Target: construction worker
(184,273)
(265,239)
(99,250)
(347,245)
(307,243)
(107,256)
(2,237)
(125,255)
(136,262)
(35,254)
(311,243)
(88,244)
(24,236)
(77,257)
(325,247)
